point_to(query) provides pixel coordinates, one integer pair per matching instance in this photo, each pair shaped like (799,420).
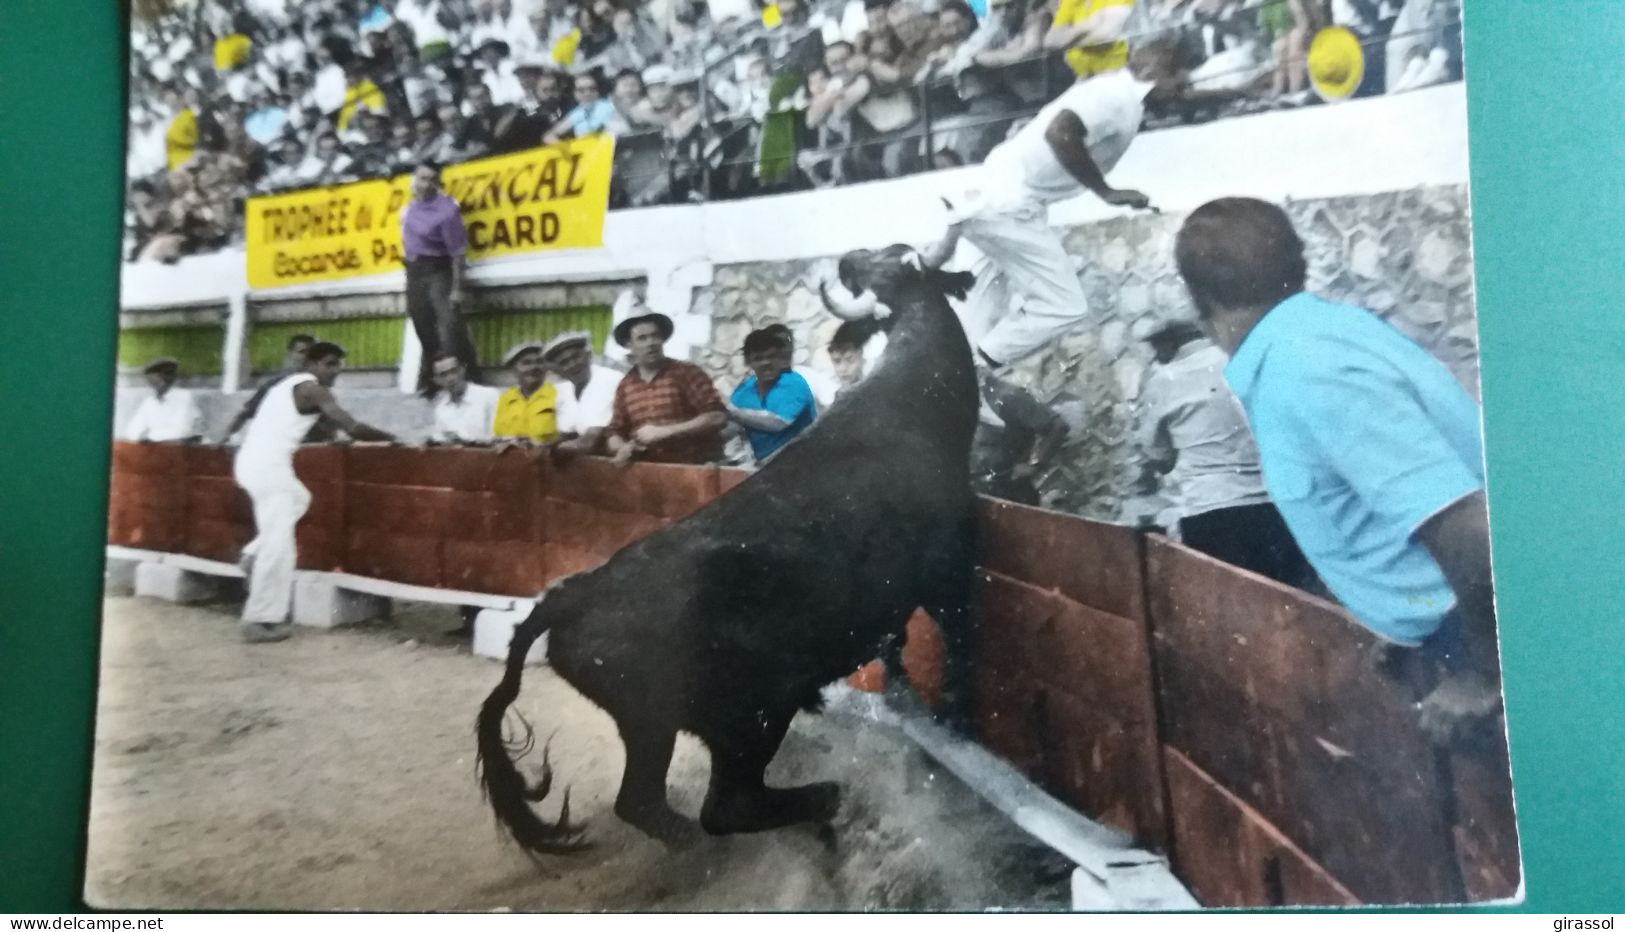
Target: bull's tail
(505,788)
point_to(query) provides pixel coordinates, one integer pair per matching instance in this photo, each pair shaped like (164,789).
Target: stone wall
(1405,255)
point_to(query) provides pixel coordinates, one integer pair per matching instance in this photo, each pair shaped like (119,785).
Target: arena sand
(335,771)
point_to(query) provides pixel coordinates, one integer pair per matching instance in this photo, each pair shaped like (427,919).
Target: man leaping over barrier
(1027,292)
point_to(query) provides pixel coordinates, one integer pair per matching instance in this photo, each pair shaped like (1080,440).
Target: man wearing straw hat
(666,410)
(170,413)
(527,412)
(586,390)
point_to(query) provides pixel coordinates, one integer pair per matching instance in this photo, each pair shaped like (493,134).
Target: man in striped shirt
(666,410)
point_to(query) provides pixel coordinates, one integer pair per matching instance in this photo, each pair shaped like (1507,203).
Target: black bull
(729,622)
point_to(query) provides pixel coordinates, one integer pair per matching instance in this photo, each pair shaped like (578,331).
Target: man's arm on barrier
(313,397)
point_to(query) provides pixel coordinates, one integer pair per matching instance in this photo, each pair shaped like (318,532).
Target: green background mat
(1546,99)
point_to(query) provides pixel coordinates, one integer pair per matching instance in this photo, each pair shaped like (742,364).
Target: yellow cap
(1336,63)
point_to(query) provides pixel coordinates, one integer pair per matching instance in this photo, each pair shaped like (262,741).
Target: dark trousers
(439,323)
(1253,537)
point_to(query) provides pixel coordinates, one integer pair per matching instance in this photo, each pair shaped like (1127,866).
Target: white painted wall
(1357,147)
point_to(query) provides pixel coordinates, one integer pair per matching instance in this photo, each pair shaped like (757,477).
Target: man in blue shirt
(774,405)
(1369,447)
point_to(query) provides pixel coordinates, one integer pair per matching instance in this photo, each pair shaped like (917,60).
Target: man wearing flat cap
(585,389)
(1194,433)
(528,411)
(170,413)
(666,410)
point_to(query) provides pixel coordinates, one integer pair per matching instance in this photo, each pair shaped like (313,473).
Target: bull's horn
(844,305)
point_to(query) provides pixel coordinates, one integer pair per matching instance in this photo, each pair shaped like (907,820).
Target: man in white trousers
(1027,292)
(264,469)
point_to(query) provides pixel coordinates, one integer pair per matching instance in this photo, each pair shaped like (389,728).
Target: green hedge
(369,342)
(197,347)
(495,332)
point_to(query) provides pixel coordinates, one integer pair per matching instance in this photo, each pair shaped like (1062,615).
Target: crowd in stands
(709,99)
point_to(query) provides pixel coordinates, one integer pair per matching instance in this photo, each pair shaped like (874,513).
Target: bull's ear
(912,260)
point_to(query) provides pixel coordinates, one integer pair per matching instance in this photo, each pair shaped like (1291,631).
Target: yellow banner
(553,197)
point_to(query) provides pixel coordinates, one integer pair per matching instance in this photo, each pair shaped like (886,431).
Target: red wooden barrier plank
(669,491)
(1230,855)
(1092,563)
(1266,690)
(1087,698)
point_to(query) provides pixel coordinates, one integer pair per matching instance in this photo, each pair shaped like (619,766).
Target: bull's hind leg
(949,597)
(642,800)
(739,800)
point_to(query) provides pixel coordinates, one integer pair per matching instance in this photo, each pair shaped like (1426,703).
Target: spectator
(435,245)
(1030,294)
(636,43)
(1009,34)
(498,73)
(832,93)
(1369,448)
(464,411)
(888,106)
(823,387)
(915,33)
(431,141)
(181,136)
(666,410)
(373,154)
(169,414)
(264,469)
(267,120)
(586,390)
(1091,32)
(1192,429)
(528,412)
(591,114)
(283,171)
(329,88)
(327,164)
(974,101)
(846,355)
(542,105)
(480,119)
(1289,25)
(658,108)
(629,101)
(402,147)
(773,404)
(360,93)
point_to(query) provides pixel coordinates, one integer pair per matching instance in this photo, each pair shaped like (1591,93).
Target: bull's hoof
(767,808)
(660,822)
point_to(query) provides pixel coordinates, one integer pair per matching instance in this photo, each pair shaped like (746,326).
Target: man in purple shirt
(435,243)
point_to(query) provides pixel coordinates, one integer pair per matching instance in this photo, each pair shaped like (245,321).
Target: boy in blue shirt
(774,405)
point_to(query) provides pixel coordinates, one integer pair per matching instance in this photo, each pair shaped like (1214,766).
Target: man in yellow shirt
(529,410)
(1091,32)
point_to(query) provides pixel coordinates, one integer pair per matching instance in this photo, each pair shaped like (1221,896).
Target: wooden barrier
(1227,720)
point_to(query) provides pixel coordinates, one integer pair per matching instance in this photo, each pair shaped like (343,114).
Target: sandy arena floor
(335,771)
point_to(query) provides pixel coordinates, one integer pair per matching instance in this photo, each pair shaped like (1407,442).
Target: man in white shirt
(170,414)
(464,411)
(1027,292)
(1193,431)
(586,390)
